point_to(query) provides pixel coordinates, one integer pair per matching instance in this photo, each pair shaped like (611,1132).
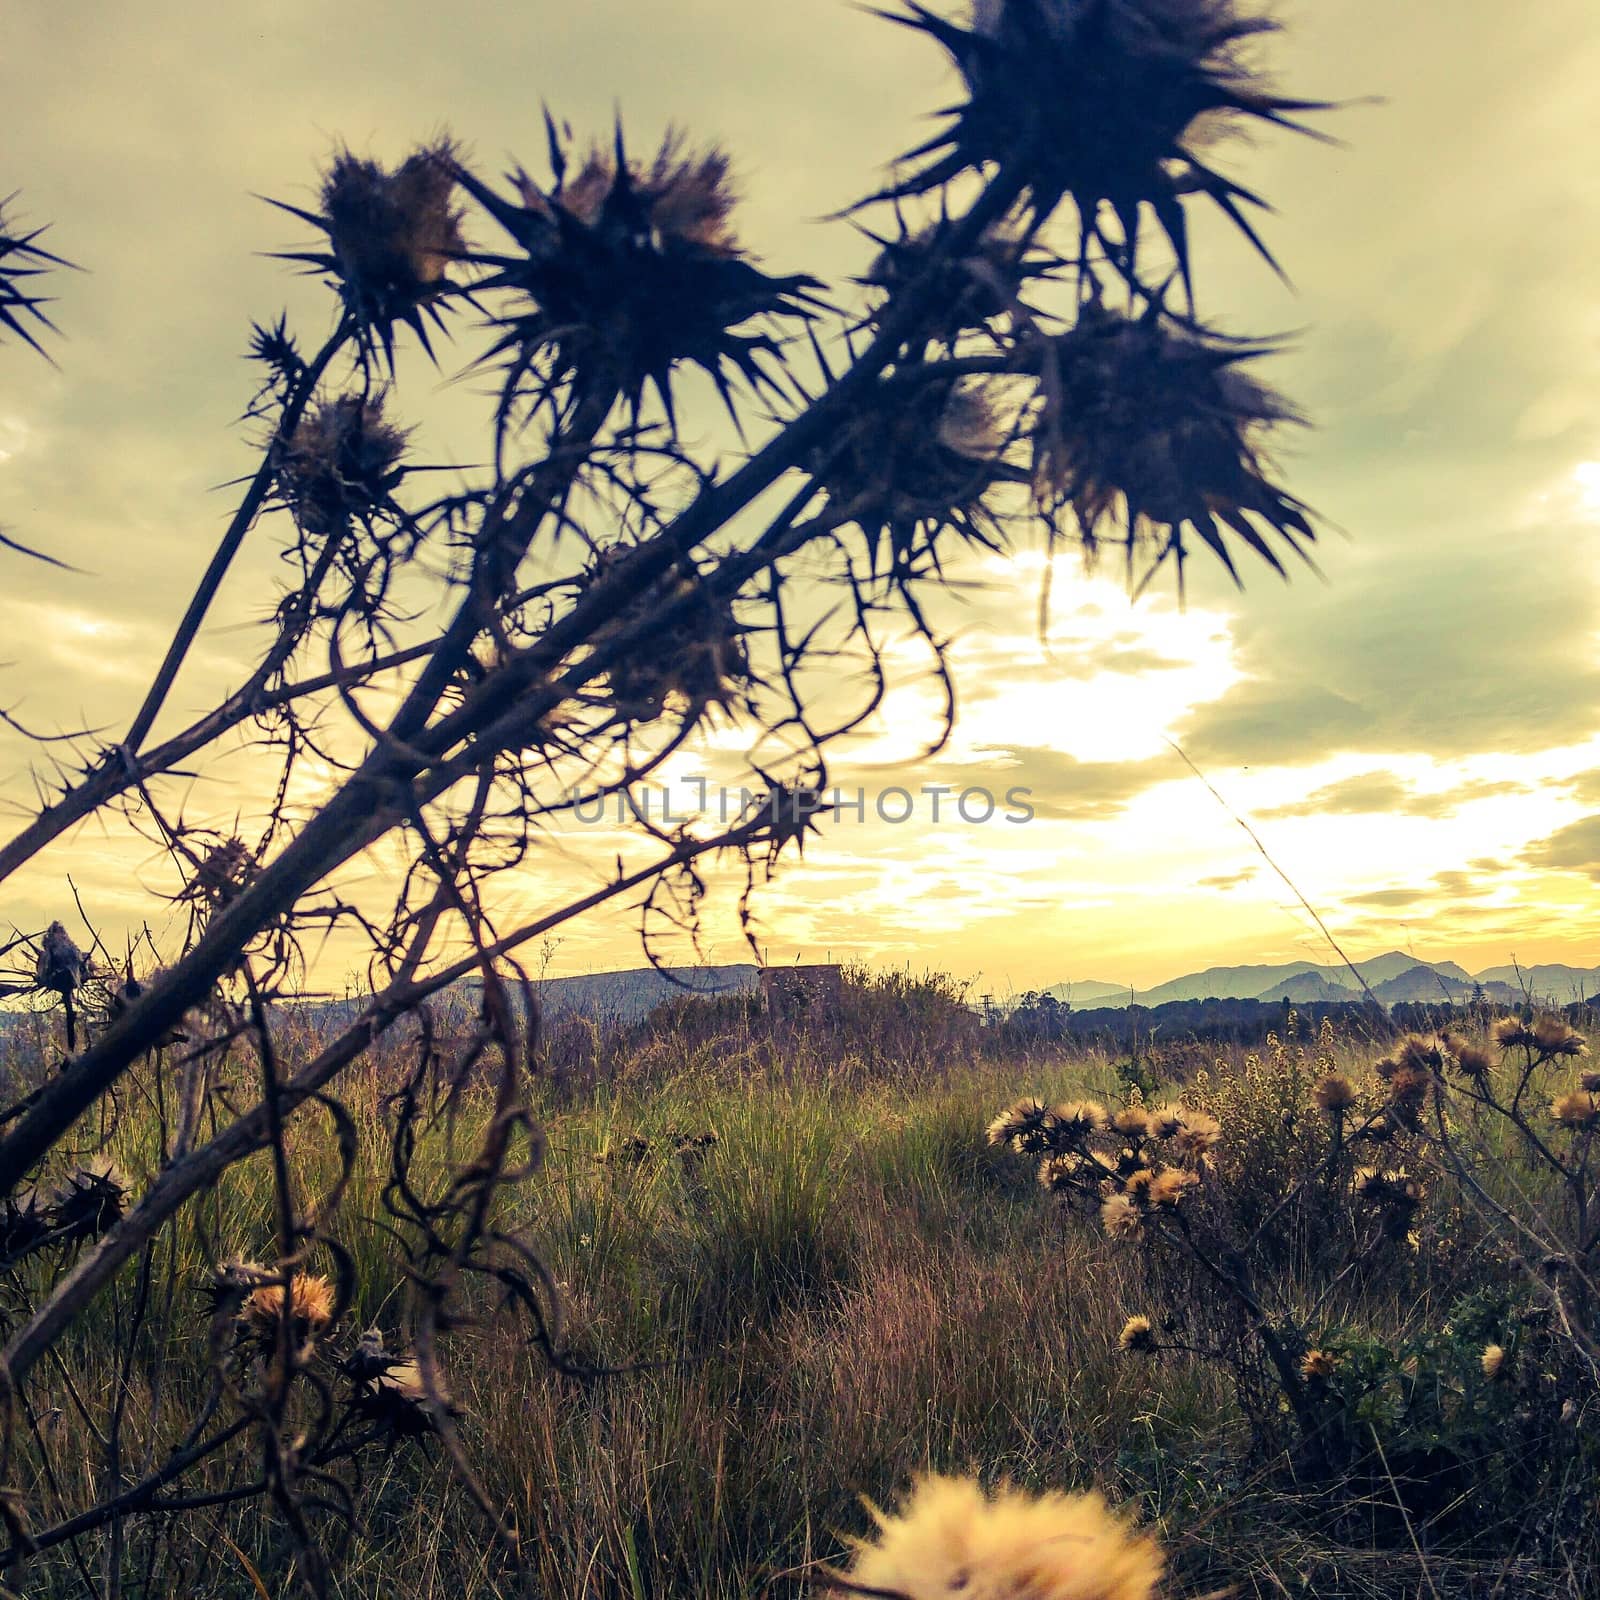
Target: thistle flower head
(390,1391)
(697,657)
(627,271)
(1492,1361)
(1132,1122)
(1077,1119)
(311,1302)
(950,1538)
(1553,1037)
(1158,433)
(1200,1134)
(1334,1093)
(1472,1060)
(1165,1121)
(1170,1185)
(1026,1125)
(1111,103)
(1137,1186)
(1060,1173)
(340,464)
(1121,1216)
(391,239)
(967,291)
(1511,1032)
(62,967)
(1137,1336)
(1576,1109)
(914,460)
(89,1200)
(223,873)
(1318,1366)
(1590,1083)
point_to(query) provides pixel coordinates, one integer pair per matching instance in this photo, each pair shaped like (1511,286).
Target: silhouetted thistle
(695,659)
(226,869)
(629,271)
(1160,433)
(22,260)
(967,291)
(24,1223)
(1111,103)
(62,968)
(340,464)
(392,237)
(89,1200)
(914,460)
(948,1537)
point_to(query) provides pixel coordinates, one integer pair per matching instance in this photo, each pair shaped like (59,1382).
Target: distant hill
(1551,980)
(1393,977)
(1087,990)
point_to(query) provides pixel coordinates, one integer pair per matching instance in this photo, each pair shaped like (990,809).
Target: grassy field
(849,1286)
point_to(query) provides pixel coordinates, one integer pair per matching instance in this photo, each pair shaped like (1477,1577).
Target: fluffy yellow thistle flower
(1576,1110)
(1080,1117)
(1137,1336)
(1121,1217)
(1169,1186)
(1200,1133)
(1133,1122)
(1334,1093)
(1492,1361)
(950,1538)
(1318,1366)
(311,1301)
(1165,1121)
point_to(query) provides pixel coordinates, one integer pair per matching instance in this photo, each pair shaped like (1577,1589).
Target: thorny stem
(232,538)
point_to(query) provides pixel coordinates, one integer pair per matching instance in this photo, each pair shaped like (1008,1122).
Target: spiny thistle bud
(89,1200)
(62,967)
(24,1224)
(964,292)
(22,259)
(389,1389)
(223,873)
(1159,431)
(1108,102)
(949,1536)
(914,460)
(392,237)
(341,464)
(1576,1110)
(1334,1093)
(1137,1337)
(694,660)
(629,271)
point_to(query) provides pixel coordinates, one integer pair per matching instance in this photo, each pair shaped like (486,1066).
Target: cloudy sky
(1416,739)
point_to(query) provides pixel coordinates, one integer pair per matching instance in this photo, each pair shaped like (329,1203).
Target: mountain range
(1391,977)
